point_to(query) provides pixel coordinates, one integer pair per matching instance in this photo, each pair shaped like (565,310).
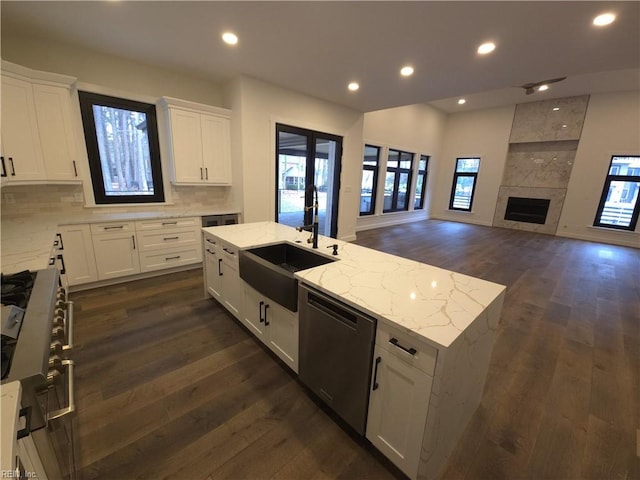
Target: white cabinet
(79,260)
(115,248)
(222,275)
(402,376)
(38,143)
(199,138)
(21,149)
(273,324)
(166,243)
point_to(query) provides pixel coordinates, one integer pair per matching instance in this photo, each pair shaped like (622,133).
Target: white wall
(107,70)
(481,133)
(611,127)
(262,105)
(415,128)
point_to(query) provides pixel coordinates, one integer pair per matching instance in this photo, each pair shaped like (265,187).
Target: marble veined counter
(435,304)
(27,239)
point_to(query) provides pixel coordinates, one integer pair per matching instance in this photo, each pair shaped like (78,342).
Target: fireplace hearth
(529,210)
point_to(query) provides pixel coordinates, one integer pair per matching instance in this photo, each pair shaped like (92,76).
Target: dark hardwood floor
(169,385)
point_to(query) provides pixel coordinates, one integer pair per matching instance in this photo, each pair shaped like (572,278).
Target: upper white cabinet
(38,143)
(199,143)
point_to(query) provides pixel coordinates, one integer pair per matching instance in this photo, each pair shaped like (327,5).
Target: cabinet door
(254,311)
(232,291)
(53,111)
(398,407)
(282,332)
(213,266)
(186,142)
(116,255)
(20,138)
(216,154)
(79,258)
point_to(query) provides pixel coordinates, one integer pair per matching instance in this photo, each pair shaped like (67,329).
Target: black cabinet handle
(170,238)
(117,227)
(206,173)
(75,169)
(201,176)
(375,374)
(172,258)
(13,170)
(266,320)
(410,351)
(219,267)
(4,168)
(60,244)
(133,237)
(26,413)
(261,305)
(63,270)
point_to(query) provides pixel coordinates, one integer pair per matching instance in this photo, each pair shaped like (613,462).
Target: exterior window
(464,183)
(619,205)
(123,150)
(369,179)
(397,181)
(421,183)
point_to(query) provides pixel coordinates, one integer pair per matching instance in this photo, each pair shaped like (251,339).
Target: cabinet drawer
(112,227)
(167,223)
(157,260)
(228,252)
(175,237)
(407,348)
(211,243)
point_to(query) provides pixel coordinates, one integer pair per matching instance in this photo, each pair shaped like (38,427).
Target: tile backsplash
(68,200)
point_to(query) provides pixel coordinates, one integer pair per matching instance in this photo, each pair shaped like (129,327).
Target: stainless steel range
(37,335)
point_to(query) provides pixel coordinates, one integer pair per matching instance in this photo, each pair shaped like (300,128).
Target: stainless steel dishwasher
(336,350)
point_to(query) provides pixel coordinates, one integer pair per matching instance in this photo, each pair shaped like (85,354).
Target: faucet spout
(313,228)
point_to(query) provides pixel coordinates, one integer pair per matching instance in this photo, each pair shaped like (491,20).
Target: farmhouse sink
(270,270)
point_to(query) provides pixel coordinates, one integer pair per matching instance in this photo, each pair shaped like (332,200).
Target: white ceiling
(317,48)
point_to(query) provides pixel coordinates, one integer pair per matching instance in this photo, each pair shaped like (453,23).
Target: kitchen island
(428,392)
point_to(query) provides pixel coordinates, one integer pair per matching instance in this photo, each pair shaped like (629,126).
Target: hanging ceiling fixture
(530,88)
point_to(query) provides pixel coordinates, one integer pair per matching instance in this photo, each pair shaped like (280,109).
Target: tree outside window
(123,150)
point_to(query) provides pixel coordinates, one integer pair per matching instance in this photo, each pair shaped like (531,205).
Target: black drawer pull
(170,238)
(170,223)
(266,320)
(261,305)
(63,270)
(410,351)
(375,374)
(118,227)
(172,258)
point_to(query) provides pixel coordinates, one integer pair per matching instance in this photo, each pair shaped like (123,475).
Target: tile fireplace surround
(544,141)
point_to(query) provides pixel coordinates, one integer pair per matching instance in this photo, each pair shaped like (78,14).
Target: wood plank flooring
(170,386)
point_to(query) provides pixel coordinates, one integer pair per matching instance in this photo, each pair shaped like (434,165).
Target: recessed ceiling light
(486,48)
(353,86)
(555,109)
(462,101)
(604,19)
(406,71)
(229,38)
(542,88)
(564,126)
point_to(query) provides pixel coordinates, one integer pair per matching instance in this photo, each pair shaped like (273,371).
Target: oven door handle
(69,326)
(72,402)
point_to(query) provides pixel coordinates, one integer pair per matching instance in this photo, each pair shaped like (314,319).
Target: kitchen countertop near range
(27,240)
(435,304)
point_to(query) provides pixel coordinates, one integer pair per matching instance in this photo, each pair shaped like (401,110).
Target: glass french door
(306,158)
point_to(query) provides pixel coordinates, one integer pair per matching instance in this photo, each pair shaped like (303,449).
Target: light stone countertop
(27,240)
(430,302)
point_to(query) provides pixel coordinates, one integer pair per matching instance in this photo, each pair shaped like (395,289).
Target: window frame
(87,100)
(614,177)
(396,183)
(456,176)
(375,169)
(424,173)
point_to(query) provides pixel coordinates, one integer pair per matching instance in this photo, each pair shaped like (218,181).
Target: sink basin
(270,270)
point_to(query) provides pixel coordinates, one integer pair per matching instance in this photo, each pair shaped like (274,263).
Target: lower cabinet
(222,276)
(116,250)
(399,398)
(212,268)
(273,324)
(77,246)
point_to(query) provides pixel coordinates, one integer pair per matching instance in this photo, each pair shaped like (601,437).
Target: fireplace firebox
(530,210)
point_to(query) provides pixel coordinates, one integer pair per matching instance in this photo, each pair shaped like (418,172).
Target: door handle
(261,305)
(375,374)
(219,267)
(266,320)
(201,176)
(206,173)
(75,169)
(4,167)
(13,170)
(133,237)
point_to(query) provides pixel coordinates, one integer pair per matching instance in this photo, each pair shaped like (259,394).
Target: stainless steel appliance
(38,358)
(336,350)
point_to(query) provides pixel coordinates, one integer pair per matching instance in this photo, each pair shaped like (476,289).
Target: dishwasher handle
(332,309)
